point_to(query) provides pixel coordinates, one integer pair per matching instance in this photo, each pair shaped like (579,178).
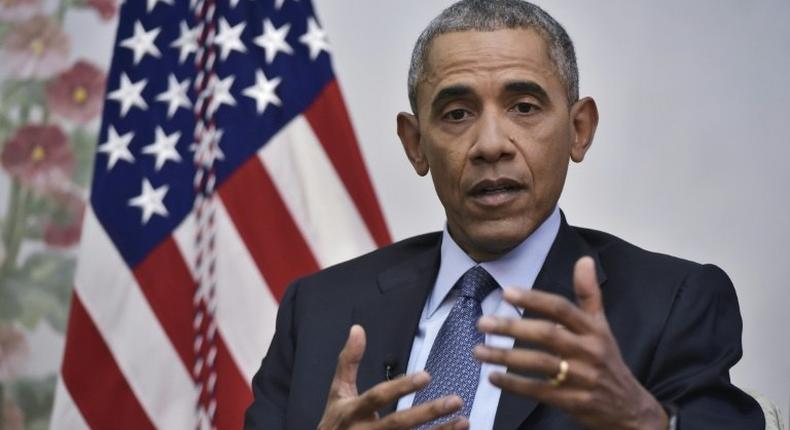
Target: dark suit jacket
(677,324)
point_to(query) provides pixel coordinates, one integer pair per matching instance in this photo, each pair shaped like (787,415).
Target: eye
(525,108)
(457,115)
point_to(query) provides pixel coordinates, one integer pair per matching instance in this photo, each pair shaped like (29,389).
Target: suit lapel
(556,277)
(391,317)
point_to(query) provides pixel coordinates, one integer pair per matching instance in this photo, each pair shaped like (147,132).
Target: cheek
(548,161)
(446,164)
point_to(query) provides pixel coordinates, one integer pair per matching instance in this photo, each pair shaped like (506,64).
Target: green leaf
(84,145)
(22,93)
(38,304)
(4,27)
(51,271)
(35,397)
(41,288)
(10,308)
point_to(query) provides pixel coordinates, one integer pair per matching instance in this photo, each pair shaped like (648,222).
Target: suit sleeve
(271,385)
(701,341)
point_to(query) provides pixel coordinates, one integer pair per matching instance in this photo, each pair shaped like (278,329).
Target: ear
(409,133)
(584,115)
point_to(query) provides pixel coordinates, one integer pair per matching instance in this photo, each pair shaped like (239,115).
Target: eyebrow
(527,87)
(449,93)
(513,87)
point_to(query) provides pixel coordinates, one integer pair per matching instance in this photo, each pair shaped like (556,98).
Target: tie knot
(477,283)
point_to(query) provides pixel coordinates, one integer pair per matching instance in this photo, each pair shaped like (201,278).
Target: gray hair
(491,15)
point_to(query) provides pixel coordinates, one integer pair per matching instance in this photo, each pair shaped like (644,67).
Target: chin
(492,239)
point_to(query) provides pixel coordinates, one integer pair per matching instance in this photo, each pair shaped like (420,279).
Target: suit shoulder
(374,262)
(620,256)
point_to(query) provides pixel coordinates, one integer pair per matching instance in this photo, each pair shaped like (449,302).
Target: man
(591,332)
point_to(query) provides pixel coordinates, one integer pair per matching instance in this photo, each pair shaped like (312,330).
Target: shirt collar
(518,268)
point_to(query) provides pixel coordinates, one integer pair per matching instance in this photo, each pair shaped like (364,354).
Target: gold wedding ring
(562,375)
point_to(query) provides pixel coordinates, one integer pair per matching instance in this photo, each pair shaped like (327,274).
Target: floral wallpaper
(50,102)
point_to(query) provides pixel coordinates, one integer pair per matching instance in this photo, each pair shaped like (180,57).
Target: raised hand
(585,372)
(347,409)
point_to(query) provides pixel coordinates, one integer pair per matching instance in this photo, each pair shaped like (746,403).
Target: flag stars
(142,42)
(220,89)
(117,147)
(164,148)
(263,91)
(234,3)
(150,201)
(150,4)
(129,94)
(175,96)
(228,38)
(208,151)
(273,40)
(187,42)
(315,39)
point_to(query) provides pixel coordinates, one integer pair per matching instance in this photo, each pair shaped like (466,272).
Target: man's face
(495,130)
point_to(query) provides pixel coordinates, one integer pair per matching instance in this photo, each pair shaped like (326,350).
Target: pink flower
(105,8)
(66,233)
(14,352)
(18,10)
(39,156)
(78,92)
(35,48)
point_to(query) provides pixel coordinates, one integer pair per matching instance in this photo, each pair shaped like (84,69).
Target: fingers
(563,397)
(425,413)
(549,334)
(554,307)
(385,393)
(579,373)
(348,362)
(460,423)
(585,283)
(522,359)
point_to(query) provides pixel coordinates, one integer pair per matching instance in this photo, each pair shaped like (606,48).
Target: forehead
(479,57)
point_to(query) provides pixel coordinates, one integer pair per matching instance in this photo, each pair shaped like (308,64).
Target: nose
(493,143)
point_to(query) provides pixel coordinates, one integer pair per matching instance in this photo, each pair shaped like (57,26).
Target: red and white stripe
(303,202)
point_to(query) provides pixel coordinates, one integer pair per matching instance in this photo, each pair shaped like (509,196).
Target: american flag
(226,167)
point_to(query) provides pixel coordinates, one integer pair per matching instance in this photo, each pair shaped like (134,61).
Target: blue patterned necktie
(452,367)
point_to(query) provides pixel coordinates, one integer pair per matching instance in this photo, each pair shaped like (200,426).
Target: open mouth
(492,192)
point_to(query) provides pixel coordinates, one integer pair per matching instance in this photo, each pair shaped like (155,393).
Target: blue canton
(271,62)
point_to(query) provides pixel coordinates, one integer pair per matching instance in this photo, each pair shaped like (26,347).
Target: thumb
(350,356)
(585,284)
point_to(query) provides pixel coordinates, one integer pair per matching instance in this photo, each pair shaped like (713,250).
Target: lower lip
(498,198)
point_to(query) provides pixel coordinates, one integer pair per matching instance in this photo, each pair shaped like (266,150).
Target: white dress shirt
(518,269)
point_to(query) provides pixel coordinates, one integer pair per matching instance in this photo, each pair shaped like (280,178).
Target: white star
(129,94)
(229,38)
(152,3)
(142,42)
(207,150)
(186,42)
(315,39)
(175,96)
(273,40)
(117,147)
(164,148)
(233,3)
(279,3)
(263,91)
(150,201)
(220,90)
